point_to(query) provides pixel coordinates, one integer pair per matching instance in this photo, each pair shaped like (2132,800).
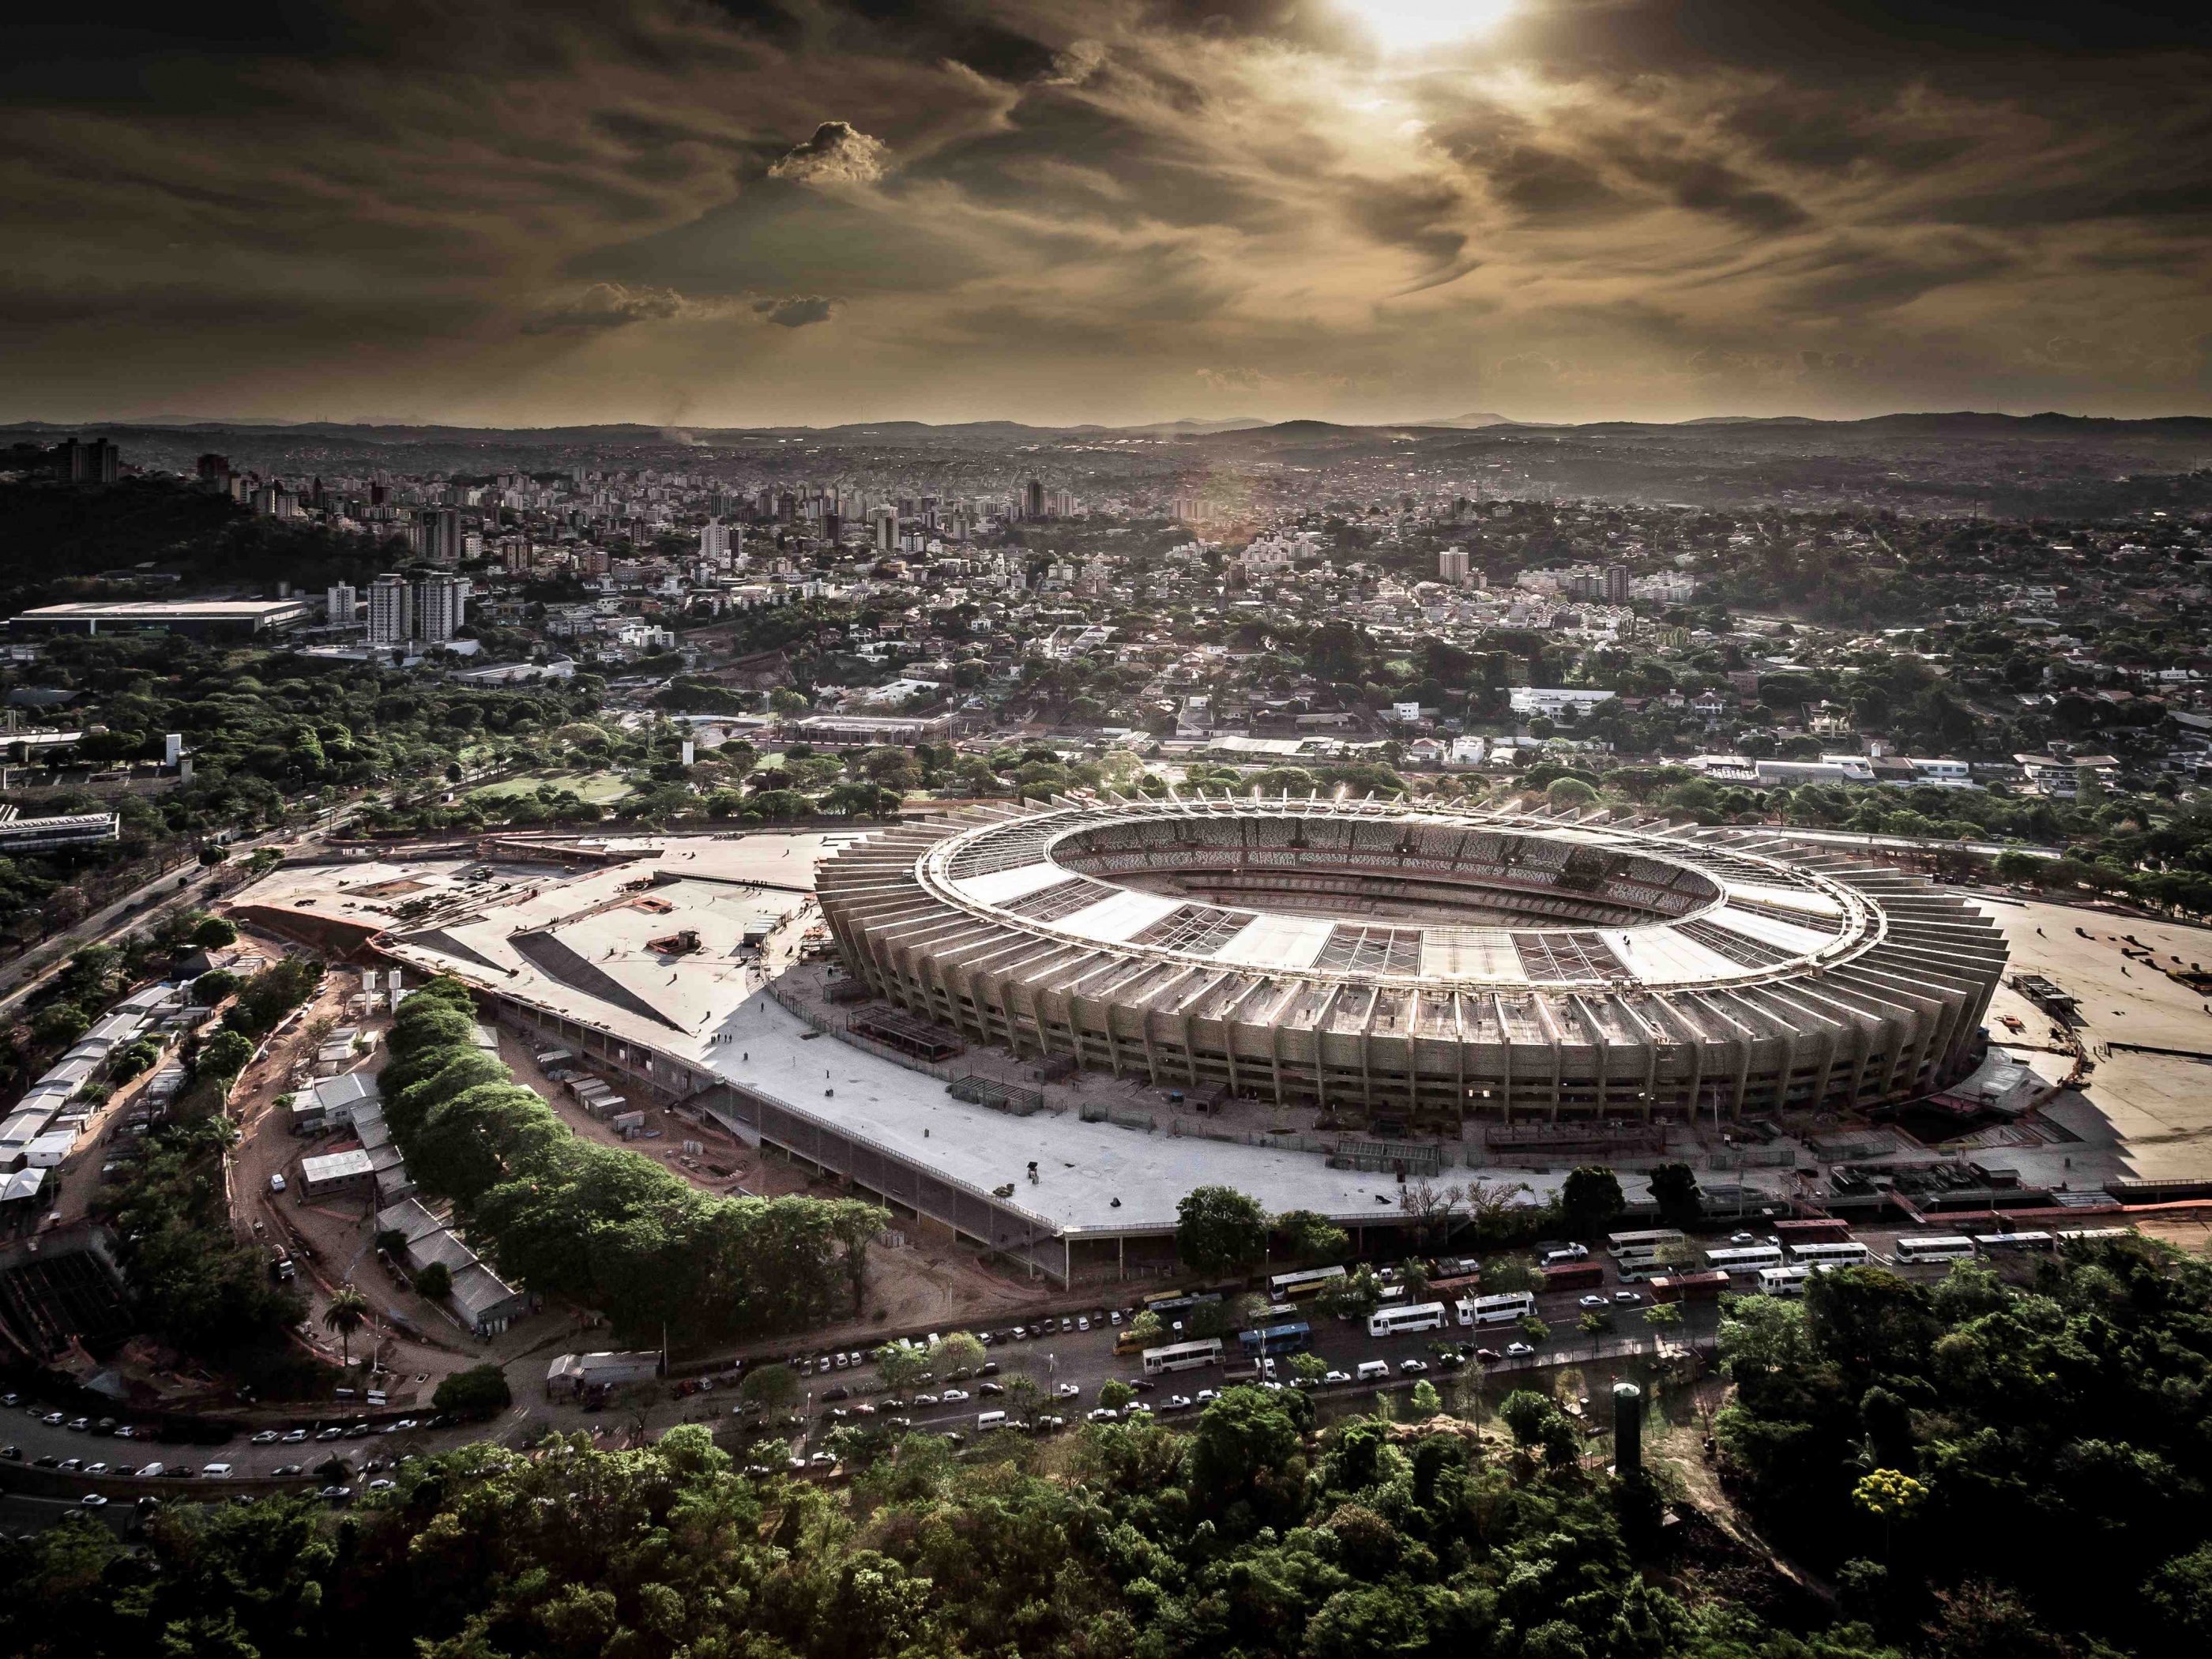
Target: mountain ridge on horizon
(704,436)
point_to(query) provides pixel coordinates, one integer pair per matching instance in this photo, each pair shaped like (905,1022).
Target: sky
(754,212)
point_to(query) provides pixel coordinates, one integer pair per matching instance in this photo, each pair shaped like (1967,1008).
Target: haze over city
(672,211)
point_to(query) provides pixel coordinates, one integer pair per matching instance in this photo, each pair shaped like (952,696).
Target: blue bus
(1276,1339)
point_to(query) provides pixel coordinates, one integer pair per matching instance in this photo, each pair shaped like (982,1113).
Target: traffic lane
(1087,1360)
(20,1513)
(27,1431)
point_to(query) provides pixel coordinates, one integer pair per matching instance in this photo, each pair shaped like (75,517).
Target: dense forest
(1249,1535)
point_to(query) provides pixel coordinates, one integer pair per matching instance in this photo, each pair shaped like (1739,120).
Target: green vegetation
(476,1394)
(2033,1453)
(196,1286)
(1246,1536)
(1219,1229)
(606,1227)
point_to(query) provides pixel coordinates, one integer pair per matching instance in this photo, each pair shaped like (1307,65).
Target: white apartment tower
(440,604)
(391,611)
(1451,566)
(341,605)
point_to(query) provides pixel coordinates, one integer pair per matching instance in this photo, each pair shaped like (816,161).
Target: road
(1084,1358)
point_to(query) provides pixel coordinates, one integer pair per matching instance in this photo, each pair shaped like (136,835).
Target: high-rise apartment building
(440,604)
(390,610)
(94,462)
(715,542)
(1033,500)
(1451,566)
(341,605)
(438,535)
(1616,584)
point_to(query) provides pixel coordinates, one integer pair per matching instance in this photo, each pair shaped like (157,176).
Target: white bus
(1746,1259)
(2092,1235)
(1309,1281)
(1396,1321)
(2014,1244)
(1829,1255)
(1501,1310)
(1183,1355)
(1941,1247)
(1641,1247)
(1782,1281)
(1644,1271)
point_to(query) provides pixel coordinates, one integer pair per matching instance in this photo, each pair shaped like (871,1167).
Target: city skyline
(1358,210)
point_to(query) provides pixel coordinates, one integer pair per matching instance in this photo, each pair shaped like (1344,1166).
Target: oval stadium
(1417,964)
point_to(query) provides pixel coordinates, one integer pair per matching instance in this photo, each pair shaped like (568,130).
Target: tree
(476,1394)
(1218,1230)
(902,1365)
(212,987)
(1889,1496)
(1535,1330)
(223,1056)
(1674,1188)
(1663,1317)
(1524,1413)
(1146,1330)
(1311,1239)
(771,1386)
(1426,1403)
(1590,1200)
(1309,1368)
(435,1281)
(348,1312)
(1593,1324)
(1114,1394)
(957,1352)
(214,933)
(1247,1459)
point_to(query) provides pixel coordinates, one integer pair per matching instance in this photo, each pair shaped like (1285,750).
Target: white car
(1207,1397)
(1412,1367)
(1331,1378)
(1103,1415)
(1175,1402)
(1591,1302)
(295,1437)
(266,1437)
(277,1180)
(954,1397)
(1518,1351)
(1628,1298)
(1066,1391)
(93,1500)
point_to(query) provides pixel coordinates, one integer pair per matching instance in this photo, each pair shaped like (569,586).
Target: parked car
(1628,1298)
(266,1437)
(1332,1377)
(1518,1351)
(1175,1402)
(277,1180)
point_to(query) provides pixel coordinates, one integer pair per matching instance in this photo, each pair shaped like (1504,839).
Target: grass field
(599,788)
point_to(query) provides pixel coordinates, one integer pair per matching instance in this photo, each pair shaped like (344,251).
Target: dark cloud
(1060,208)
(796,310)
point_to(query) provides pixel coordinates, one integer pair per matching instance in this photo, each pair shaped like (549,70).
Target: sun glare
(1414,25)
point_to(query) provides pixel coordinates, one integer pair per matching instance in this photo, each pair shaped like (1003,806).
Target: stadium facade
(1421,965)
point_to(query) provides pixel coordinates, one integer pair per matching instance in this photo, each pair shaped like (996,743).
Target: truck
(1690,1287)
(576,1373)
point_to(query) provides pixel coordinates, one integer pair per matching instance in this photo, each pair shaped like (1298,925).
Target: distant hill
(1467,423)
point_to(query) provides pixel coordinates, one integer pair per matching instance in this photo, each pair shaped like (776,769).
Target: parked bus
(1815,1229)
(1396,1321)
(1501,1309)
(1690,1287)
(1172,1307)
(1642,1246)
(1295,1338)
(2014,1244)
(1309,1281)
(1939,1246)
(1643,1272)
(1126,1341)
(1574,1276)
(1782,1281)
(1183,1355)
(1829,1255)
(2092,1235)
(1745,1258)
